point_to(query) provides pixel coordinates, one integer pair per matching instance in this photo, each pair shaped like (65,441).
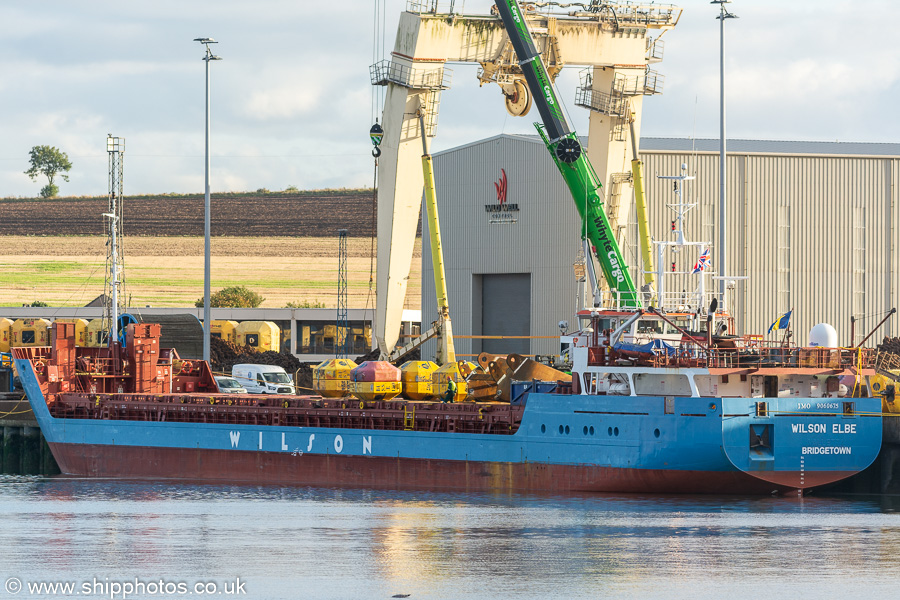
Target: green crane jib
(567,153)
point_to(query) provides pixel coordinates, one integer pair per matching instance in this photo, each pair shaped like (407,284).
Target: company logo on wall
(502,212)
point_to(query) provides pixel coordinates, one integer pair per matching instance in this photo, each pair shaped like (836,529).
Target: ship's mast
(666,298)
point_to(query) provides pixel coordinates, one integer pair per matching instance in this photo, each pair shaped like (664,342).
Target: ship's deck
(294,411)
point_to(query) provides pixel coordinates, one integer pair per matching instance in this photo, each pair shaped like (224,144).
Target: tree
(236,296)
(50,162)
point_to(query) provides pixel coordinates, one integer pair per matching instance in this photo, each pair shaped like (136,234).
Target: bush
(39,304)
(49,191)
(236,296)
(305,304)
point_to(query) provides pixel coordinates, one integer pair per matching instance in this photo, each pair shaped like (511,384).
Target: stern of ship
(801,443)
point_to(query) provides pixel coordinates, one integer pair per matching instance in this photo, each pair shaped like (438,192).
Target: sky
(292,102)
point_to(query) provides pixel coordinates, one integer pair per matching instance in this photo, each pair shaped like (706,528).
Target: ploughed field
(306,214)
(282,246)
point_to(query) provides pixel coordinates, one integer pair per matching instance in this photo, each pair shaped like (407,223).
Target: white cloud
(282,102)
(291,100)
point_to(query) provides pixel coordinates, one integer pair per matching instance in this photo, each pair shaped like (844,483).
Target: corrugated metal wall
(819,234)
(543,241)
(814,233)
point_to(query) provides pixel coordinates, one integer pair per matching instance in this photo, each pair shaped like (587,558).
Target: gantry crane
(616,43)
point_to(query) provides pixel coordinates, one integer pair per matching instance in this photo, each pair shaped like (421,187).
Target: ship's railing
(96,365)
(295,411)
(749,353)
(677,302)
(31,353)
(684,301)
(760,356)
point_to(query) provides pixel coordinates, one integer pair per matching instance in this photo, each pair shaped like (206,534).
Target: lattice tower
(342,334)
(115,254)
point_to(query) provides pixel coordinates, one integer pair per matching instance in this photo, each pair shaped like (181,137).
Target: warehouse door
(506,310)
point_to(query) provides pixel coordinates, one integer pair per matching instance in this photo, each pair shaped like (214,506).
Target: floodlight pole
(723,210)
(207,323)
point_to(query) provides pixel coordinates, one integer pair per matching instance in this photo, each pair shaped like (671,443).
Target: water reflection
(298,542)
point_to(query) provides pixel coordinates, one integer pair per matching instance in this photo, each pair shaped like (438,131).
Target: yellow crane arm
(637,168)
(447,351)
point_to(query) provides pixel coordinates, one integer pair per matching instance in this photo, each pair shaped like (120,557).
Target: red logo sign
(500,186)
(502,211)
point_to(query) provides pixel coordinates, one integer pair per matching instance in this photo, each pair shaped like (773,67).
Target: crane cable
(375,135)
(372,237)
(377,52)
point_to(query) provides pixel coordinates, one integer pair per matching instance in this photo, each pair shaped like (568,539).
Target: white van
(263,379)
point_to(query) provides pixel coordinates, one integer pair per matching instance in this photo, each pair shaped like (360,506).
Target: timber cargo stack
(889,356)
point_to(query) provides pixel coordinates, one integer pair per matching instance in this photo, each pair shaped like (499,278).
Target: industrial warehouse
(812,226)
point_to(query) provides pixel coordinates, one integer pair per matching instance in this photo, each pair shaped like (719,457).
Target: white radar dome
(823,335)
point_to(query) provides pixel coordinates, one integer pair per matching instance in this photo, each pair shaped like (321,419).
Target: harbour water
(295,543)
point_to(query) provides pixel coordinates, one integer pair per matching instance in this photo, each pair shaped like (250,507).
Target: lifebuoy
(39,367)
(186,366)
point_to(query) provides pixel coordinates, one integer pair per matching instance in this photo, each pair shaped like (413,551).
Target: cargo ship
(663,396)
(730,417)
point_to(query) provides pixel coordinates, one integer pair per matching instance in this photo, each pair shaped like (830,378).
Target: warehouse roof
(659,144)
(771,147)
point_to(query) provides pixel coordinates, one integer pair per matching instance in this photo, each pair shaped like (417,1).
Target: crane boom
(640,202)
(568,155)
(446,350)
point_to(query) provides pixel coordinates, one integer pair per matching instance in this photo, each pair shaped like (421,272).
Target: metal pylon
(115,250)
(342,333)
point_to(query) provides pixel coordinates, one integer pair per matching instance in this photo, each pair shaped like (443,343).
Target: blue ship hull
(565,442)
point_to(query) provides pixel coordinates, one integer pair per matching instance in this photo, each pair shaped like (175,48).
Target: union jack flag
(702,262)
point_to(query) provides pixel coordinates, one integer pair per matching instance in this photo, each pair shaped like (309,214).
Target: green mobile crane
(569,156)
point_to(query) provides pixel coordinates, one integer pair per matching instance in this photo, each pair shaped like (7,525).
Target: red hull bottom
(232,466)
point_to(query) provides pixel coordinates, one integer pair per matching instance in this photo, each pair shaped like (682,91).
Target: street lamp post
(723,250)
(207,323)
